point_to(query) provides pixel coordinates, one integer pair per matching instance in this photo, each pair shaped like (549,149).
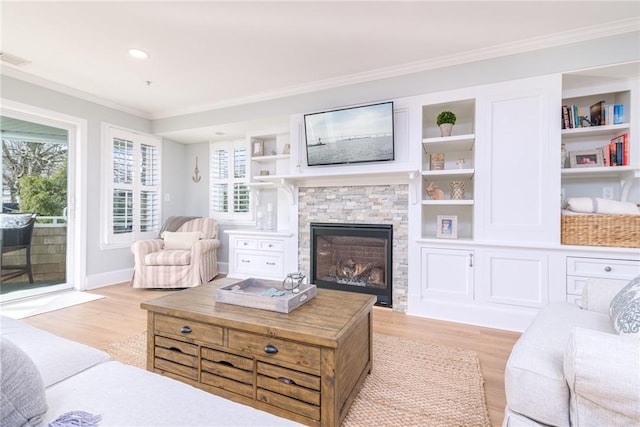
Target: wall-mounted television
(350,135)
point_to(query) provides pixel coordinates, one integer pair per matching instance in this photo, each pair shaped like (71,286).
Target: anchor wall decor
(196,173)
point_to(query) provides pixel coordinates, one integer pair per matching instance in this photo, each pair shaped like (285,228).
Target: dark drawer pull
(175,349)
(607,269)
(270,348)
(286,380)
(185,330)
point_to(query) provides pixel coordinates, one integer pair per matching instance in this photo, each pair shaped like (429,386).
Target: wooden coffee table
(307,365)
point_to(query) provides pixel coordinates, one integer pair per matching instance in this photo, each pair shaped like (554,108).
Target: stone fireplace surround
(375,204)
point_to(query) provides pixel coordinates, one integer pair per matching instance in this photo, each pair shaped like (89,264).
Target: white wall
(98,261)
(189,198)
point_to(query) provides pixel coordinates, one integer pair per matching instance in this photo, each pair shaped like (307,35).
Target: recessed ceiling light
(137,53)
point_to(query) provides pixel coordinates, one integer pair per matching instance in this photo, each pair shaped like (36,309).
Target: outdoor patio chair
(16,230)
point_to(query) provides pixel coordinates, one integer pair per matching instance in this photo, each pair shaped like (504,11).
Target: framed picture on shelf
(447,226)
(258,148)
(586,159)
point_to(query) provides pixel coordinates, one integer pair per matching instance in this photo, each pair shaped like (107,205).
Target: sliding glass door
(35,161)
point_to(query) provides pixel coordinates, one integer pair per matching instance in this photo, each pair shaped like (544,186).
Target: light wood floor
(119,316)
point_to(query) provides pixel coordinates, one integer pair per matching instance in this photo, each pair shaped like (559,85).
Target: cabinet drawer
(177,357)
(266,264)
(288,389)
(271,245)
(247,244)
(188,329)
(601,267)
(276,349)
(227,371)
(302,386)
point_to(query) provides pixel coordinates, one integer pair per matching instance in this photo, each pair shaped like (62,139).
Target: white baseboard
(109,278)
(96,281)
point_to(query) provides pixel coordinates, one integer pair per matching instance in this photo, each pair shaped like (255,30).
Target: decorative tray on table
(266,295)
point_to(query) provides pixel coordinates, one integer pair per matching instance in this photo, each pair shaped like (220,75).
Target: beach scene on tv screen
(361,134)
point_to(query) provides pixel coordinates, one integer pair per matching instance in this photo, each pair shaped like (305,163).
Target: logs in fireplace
(353,257)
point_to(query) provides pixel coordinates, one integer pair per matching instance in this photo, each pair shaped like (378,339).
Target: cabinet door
(515,277)
(518,177)
(447,273)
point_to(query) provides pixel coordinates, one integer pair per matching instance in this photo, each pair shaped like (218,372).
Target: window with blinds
(229,195)
(132,188)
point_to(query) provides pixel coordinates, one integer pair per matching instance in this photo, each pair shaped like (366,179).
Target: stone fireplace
(353,257)
(359,204)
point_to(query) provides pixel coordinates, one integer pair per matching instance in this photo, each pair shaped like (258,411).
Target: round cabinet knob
(607,269)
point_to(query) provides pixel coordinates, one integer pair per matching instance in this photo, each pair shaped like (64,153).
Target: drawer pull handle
(175,349)
(270,245)
(185,330)
(286,380)
(270,348)
(246,261)
(607,269)
(271,263)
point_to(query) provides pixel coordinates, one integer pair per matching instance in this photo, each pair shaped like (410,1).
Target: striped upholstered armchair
(185,256)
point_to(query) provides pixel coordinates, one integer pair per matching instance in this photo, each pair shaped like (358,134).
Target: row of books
(616,153)
(598,114)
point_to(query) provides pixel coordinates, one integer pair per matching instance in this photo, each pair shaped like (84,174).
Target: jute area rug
(412,383)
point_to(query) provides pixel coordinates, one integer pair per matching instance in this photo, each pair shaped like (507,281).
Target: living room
(550,65)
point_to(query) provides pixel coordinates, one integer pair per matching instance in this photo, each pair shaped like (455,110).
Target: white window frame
(231,216)
(111,240)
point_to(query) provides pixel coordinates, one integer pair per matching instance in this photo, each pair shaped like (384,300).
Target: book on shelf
(598,114)
(619,150)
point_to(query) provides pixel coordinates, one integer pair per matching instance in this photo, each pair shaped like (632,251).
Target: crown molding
(67,90)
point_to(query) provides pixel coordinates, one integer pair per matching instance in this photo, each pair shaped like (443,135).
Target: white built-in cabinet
(267,250)
(518,184)
(507,260)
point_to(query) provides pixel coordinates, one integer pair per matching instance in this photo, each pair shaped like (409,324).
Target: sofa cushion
(535,385)
(127,396)
(180,239)
(22,396)
(56,358)
(625,309)
(603,373)
(170,257)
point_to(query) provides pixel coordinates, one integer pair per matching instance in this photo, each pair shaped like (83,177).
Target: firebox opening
(353,257)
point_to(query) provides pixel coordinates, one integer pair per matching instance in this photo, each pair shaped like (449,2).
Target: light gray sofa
(76,377)
(571,367)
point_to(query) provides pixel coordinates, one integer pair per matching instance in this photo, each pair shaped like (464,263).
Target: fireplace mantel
(380,177)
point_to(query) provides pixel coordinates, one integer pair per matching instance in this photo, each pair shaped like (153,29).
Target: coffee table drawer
(176,357)
(187,329)
(295,384)
(276,349)
(227,371)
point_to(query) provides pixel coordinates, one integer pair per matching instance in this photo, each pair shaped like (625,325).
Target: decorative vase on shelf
(456,189)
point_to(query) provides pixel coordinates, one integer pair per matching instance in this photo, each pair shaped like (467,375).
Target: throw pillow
(625,309)
(22,397)
(180,239)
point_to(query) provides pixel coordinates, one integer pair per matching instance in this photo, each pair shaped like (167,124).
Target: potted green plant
(445,121)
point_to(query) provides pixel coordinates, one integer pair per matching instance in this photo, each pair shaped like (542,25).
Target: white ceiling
(207,54)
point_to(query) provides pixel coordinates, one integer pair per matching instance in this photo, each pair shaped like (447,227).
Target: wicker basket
(601,230)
